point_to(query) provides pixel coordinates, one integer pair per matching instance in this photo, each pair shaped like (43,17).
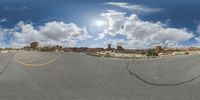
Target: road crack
(158,84)
(3,70)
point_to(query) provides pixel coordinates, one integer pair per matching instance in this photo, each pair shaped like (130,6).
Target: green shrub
(107,55)
(151,52)
(187,53)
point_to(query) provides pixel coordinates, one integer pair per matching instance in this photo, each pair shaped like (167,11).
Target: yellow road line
(36,65)
(34,59)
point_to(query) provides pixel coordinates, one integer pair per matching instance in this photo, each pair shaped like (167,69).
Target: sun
(100,23)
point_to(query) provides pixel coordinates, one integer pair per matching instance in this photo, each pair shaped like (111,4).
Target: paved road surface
(71,76)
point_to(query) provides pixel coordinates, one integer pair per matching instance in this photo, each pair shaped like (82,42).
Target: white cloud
(26,33)
(115,23)
(24,8)
(52,33)
(198,29)
(8,8)
(59,30)
(3,20)
(197,39)
(142,34)
(4,34)
(115,42)
(134,8)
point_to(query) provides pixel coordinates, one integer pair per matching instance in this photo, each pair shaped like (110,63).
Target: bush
(107,55)
(151,52)
(187,53)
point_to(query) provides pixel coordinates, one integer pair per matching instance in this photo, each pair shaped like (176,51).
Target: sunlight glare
(100,23)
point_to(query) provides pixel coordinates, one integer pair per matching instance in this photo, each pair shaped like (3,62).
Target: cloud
(198,33)
(115,42)
(59,30)
(142,34)
(24,8)
(52,33)
(16,8)
(134,7)
(198,29)
(2,31)
(115,23)
(4,36)
(25,34)
(197,39)
(3,20)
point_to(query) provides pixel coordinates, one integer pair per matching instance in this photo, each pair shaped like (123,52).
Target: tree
(187,53)
(107,55)
(151,52)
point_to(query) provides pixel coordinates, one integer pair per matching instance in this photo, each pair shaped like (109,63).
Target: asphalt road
(72,76)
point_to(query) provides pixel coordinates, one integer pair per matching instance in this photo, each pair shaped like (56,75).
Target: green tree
(187,53)
(151,52)
(107,55)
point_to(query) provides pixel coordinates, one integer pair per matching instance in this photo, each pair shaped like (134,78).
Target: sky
(133,24)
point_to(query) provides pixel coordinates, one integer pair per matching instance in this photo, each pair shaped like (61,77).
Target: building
(158,49)
(27,48)
(193,49)
(120,48)
(109,47)
(94,51)
(34,45)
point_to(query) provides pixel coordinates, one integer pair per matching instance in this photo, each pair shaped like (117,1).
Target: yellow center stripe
(36,65)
